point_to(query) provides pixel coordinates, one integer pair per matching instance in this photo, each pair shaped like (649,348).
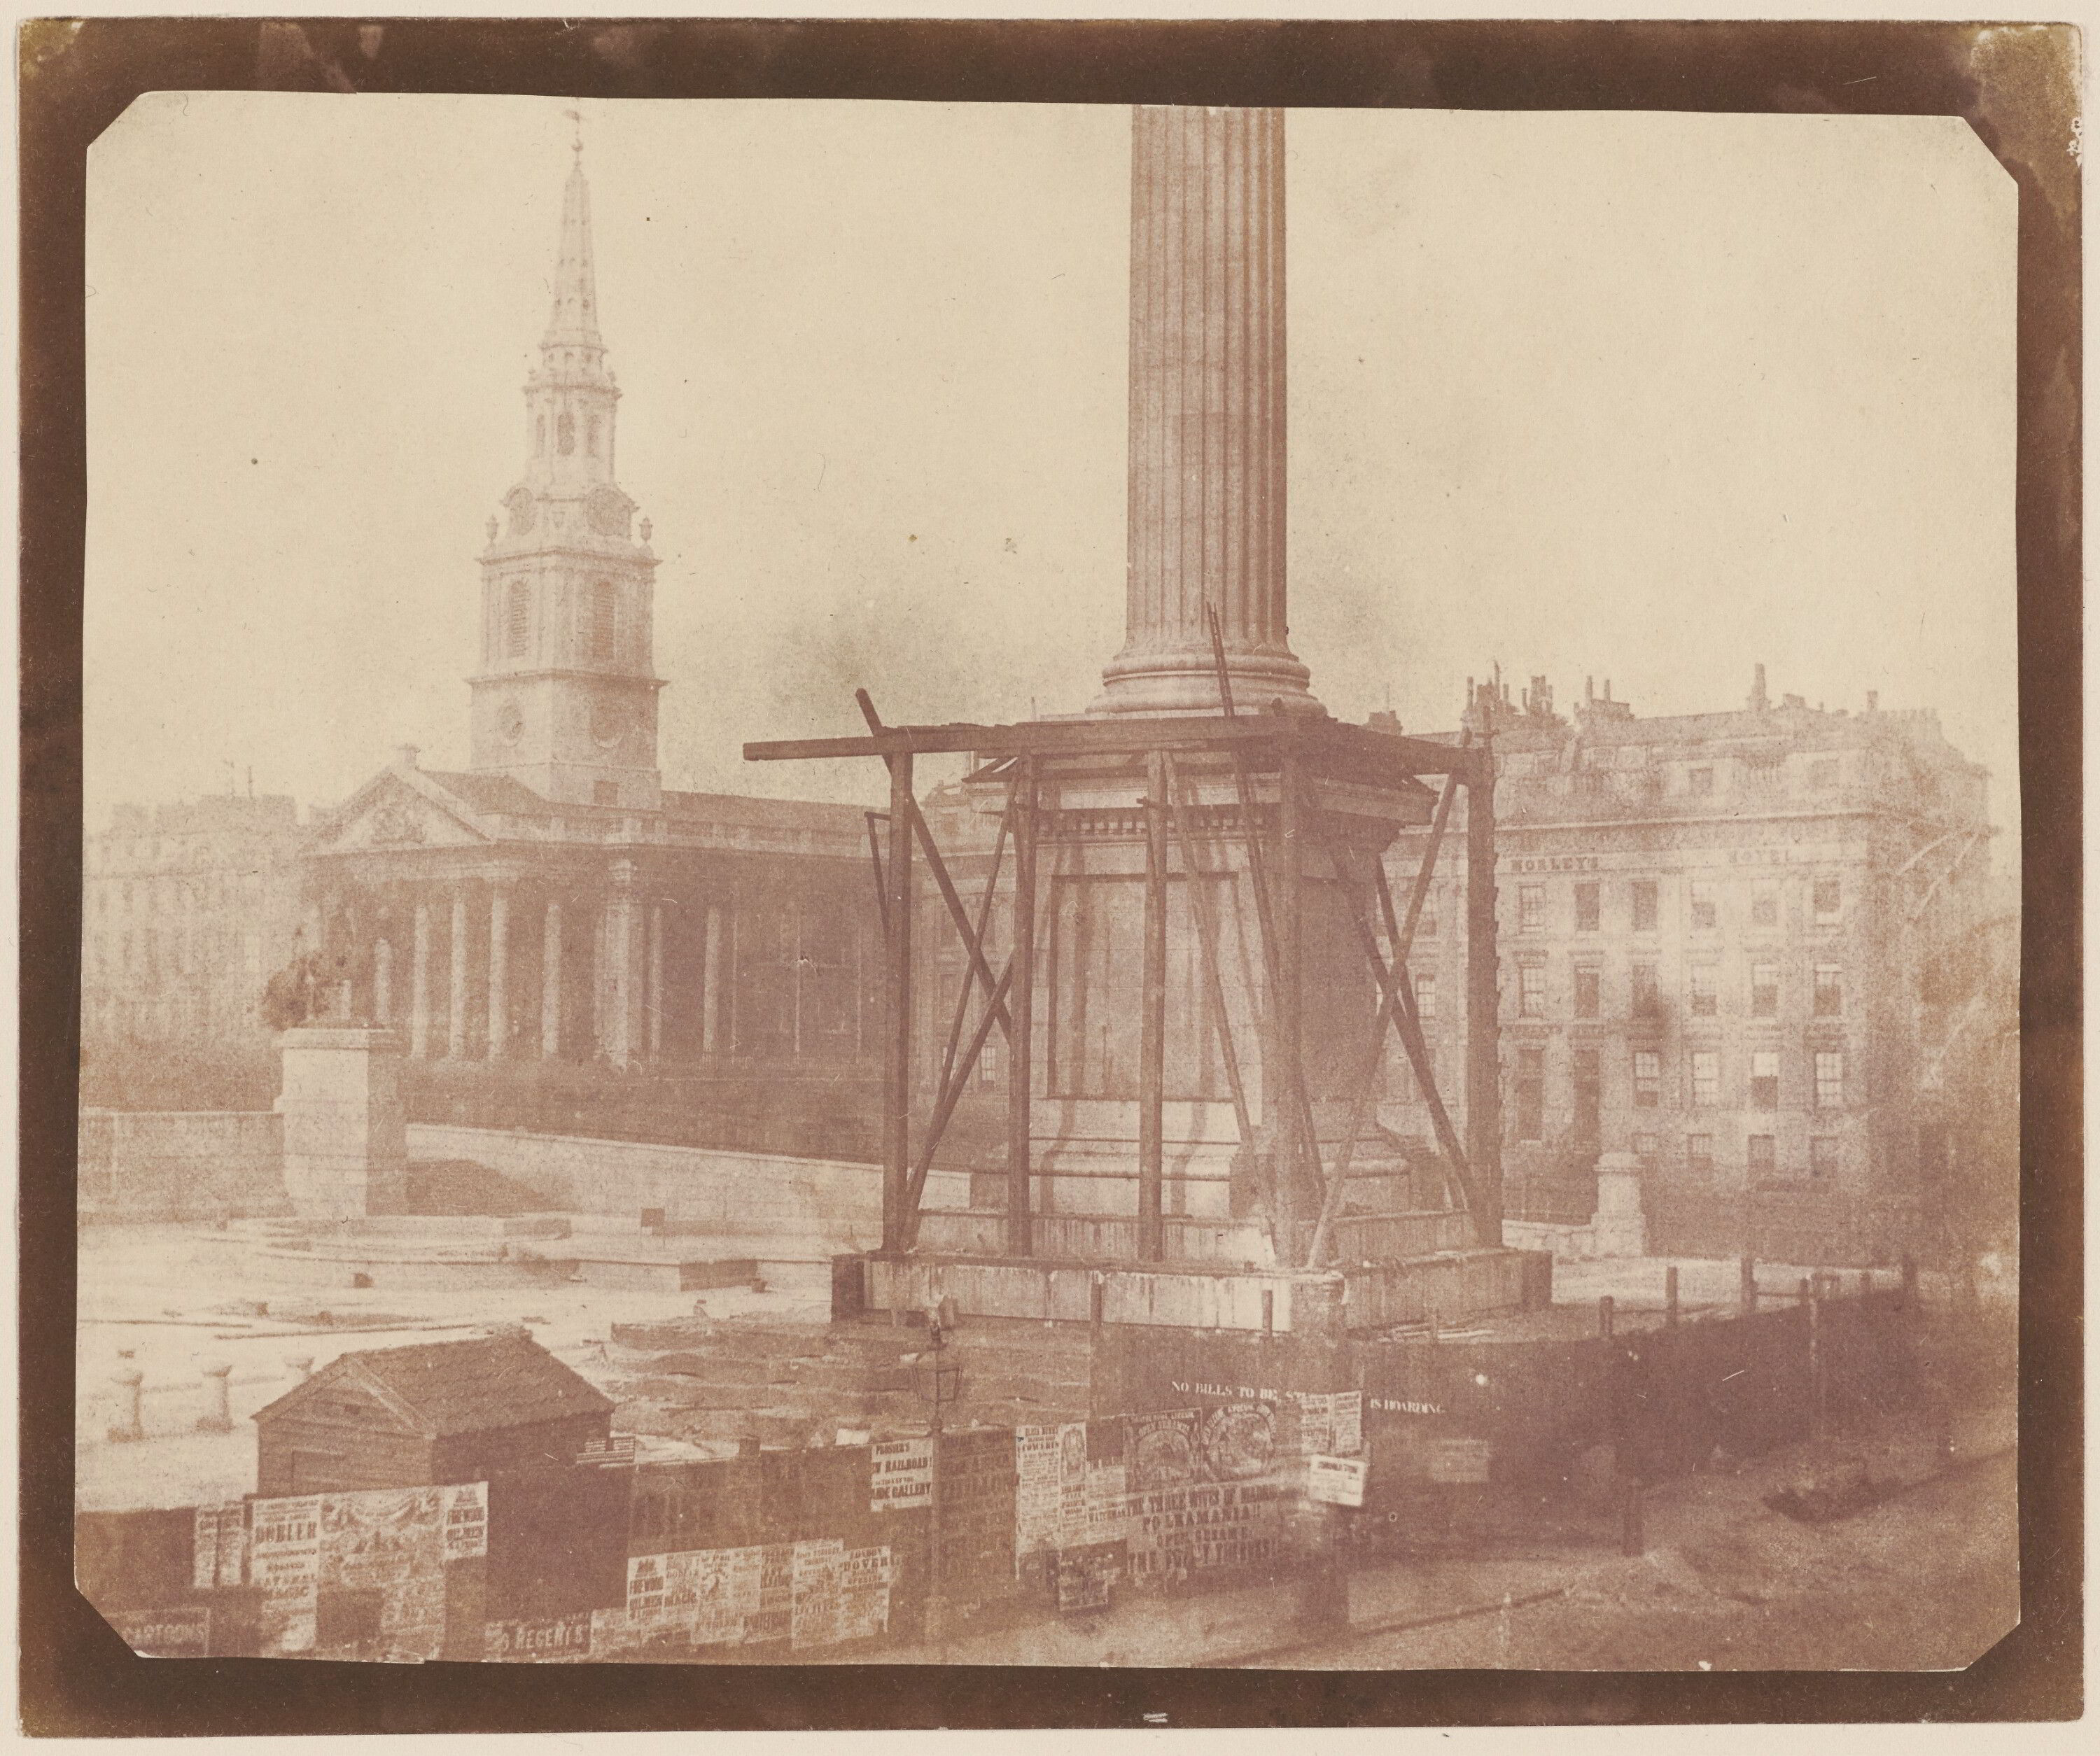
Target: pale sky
(1647,396)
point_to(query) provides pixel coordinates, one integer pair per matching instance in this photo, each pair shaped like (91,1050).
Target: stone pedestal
(1618,1228)
(346,1132)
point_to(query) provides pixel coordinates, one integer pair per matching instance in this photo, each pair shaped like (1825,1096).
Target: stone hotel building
(1715,932)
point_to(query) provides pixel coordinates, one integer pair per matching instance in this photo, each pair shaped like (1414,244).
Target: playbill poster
(803,815)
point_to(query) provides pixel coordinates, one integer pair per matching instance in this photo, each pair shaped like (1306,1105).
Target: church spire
(566,697)
(573,322)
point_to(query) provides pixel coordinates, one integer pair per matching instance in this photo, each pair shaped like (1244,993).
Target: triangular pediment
(395,811)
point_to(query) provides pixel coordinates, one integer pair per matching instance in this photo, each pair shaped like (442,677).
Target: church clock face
(608,510)
(511,723)
(610,722)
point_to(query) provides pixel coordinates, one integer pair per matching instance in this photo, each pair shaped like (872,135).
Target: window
(1425,996)
(1701,779)
(539,435)
(1531,990)
(604,618)
(1822,1160)
(1763,1155)
(1647,994)
(1699,1149)
(1645,894)
(1531,1094)
(1705,907)
(1822,776)
(518,619)
(1647,1145)
(1829,1079)
(1588,980)
(1530,907)
(1764,1079)
(565,433)
(1706,990)
(1425,923)
(1829,990)
(1589,1092)
(1829,899)
(1648,1079)
(1587,911)
(590,436)
(1764,990)
(1705,1078)
(1764,903)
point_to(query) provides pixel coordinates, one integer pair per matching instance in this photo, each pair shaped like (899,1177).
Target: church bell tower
(566,699)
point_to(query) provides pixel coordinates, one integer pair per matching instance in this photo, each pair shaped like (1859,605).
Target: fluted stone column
(419,984)
(1206,416)
(550,983)
(499,968)
(622,970)
(456,1024)
(656,1005)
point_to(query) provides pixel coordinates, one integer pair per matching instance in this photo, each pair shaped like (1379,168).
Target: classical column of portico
(550,982)
(623,970)
(419,984)
(656,998)
(498,965)
(382,981)
(455,1023)
(1207,418)
(711,988)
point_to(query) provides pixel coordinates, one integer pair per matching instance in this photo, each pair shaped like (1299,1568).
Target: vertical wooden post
(1484,1091)
(897,1064)
(1020,1056)
(1607,1316)
(1747,1283)
(1286,1013)
(1152,1024)
(1670,1308)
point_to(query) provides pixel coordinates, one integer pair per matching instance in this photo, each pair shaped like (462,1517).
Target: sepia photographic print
(1133,884)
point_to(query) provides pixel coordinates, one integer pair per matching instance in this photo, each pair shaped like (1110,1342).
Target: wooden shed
(445,1411)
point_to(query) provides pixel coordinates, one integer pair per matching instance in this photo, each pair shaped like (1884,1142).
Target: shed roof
(448,1387)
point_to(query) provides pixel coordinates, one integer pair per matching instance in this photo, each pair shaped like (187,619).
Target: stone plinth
(345,1139)
(1618,1228)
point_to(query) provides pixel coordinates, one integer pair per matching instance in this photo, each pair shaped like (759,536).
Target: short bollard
(218,1416)
(130,1385)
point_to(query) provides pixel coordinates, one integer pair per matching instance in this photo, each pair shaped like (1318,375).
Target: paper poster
(1335,1481)
(1160,1450)
(179,1633)
(285,1561)
(864,1594)
(1108,1504)
(466,1520)
(1179,1531)
(1044,1463)
(1331,1424)
(392,1540)
(1237,1442)
(553,1641)
(221,1547)
(900,1474)
(819,1602)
